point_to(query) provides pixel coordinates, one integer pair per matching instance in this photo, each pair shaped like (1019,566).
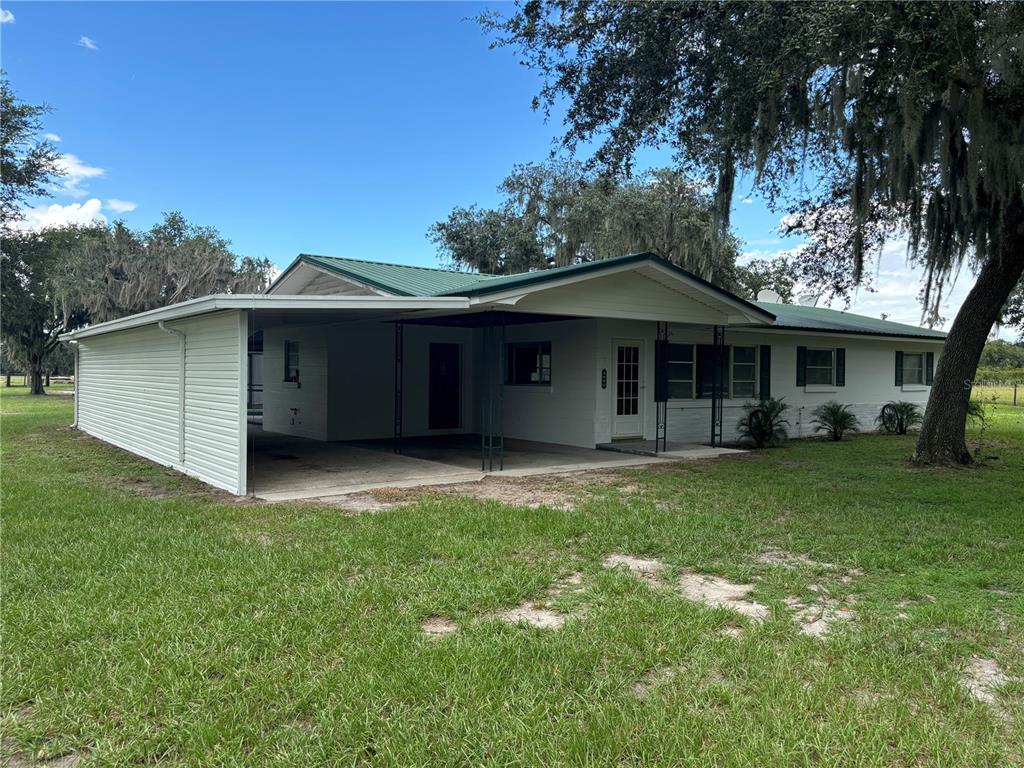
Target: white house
(631,351)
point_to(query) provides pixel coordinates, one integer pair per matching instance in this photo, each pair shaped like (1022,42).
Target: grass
(147,620)
(1005,394)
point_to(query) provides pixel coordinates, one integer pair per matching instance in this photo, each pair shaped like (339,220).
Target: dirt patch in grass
(368,502)
(784,559)
(817,617)
(643,568)
(544,613)
(651,679)
(983,678)
(717,592)
(532,492)
(438,627)
(713,591)
(15,759)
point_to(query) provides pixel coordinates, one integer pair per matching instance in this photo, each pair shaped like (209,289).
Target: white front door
(627,388)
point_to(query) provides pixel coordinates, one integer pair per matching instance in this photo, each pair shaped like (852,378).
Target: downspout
(74,424)
(181,387)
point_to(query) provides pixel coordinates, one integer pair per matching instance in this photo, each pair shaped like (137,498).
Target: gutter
(181,386)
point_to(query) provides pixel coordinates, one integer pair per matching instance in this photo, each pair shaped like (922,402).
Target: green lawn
(146,620)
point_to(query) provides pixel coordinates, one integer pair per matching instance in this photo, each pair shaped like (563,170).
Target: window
(744,371)
(706,371)
(291,361)
(680,371)
(913,368)
(819,366)
(528,363)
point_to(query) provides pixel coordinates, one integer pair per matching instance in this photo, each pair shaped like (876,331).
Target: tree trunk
(35,374)
(8,379)
(47,379)
(942,439)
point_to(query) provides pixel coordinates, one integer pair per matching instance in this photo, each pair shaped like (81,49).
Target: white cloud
(747,201)
(6,17)
(73,172)
(121,206)
(51,137)
(897,286)
(46,216)
(87,42)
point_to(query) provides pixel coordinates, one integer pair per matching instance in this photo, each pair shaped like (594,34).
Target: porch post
(399,349)
(718,385)
(661,388)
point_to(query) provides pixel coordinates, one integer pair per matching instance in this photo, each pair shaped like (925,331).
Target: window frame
(510,368)
(291,373)
(732,372)
(692,362)
(920,369)
(831,367)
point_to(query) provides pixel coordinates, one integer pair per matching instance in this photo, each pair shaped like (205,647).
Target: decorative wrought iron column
(399,365)
(718,385)
(661,388)
(492,394)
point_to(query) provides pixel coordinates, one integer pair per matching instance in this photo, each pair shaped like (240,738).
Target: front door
(445,386)
(627,389)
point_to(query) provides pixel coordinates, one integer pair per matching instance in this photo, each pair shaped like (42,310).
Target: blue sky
(334,128)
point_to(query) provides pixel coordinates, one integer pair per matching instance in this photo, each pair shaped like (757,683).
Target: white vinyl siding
(129,395)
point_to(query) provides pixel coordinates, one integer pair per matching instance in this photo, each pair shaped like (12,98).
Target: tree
(779,274)
(120,272)
(909,110)
(26,163)
(1003,354)
(32,320)
(558,213)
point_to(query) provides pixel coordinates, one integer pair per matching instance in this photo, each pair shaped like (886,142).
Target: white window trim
(831,385)
(915,386)
(732,372)
(693,371)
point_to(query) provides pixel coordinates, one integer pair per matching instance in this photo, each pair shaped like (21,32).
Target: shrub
(835,419)
(976,412)
(763,423)
(899,417)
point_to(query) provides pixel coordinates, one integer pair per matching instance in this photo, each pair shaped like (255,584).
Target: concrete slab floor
(282,467)
(286,468)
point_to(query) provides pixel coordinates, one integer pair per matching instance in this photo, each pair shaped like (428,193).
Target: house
(359,362)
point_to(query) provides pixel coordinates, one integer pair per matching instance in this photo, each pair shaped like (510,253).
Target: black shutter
(840,366)
(801,366)
(766,371)
(929,368)
(726,371)
(661,371)
(899,369)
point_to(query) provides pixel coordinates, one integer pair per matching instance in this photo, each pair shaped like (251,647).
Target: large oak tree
(911,113)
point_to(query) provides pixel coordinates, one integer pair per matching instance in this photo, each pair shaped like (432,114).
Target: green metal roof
(400,279)
(405,280)
(799,317)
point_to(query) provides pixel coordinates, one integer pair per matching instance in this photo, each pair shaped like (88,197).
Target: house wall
(347,389)
(129,395)
(564,412)
(347,386)
(870,379)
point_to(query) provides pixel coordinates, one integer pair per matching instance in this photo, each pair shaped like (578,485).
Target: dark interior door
(445,386)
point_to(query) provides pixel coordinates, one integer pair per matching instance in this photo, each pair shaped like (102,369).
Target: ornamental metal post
(717,385)
(399,363)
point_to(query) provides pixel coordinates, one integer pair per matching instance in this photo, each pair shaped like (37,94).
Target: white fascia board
(215,303)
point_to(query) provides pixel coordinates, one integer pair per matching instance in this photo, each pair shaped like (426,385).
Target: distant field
(991,392)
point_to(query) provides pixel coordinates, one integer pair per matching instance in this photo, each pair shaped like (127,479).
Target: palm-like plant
(835,419)
(764,423)
(899,417)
